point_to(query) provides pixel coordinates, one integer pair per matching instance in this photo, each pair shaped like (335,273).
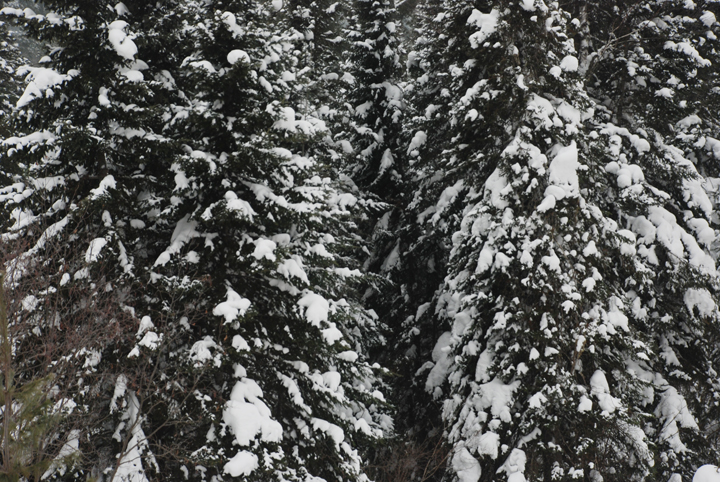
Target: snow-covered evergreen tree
(87,161)
(256,214)
(437,155)
(85,128)
(376,99)
(230,240)
(574,296)
(323,72)
(198,180)
(374,134)
(658,83)
(661,76)
(10,60)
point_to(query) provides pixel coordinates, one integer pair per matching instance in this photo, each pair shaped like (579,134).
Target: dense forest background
(353,240)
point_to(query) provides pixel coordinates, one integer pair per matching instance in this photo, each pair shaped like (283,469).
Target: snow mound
(563,170)
(562,177)
(93,251)
(600,388)
(700,299)
(317,308)
(569,63)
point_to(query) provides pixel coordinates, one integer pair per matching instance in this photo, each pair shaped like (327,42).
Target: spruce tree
(572,289)
(376,99)
(10,60)
(187,184)
(324,74)
(257,215)
(658,83)
(374,136)
(84,164)
(436,155)
(196,181)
